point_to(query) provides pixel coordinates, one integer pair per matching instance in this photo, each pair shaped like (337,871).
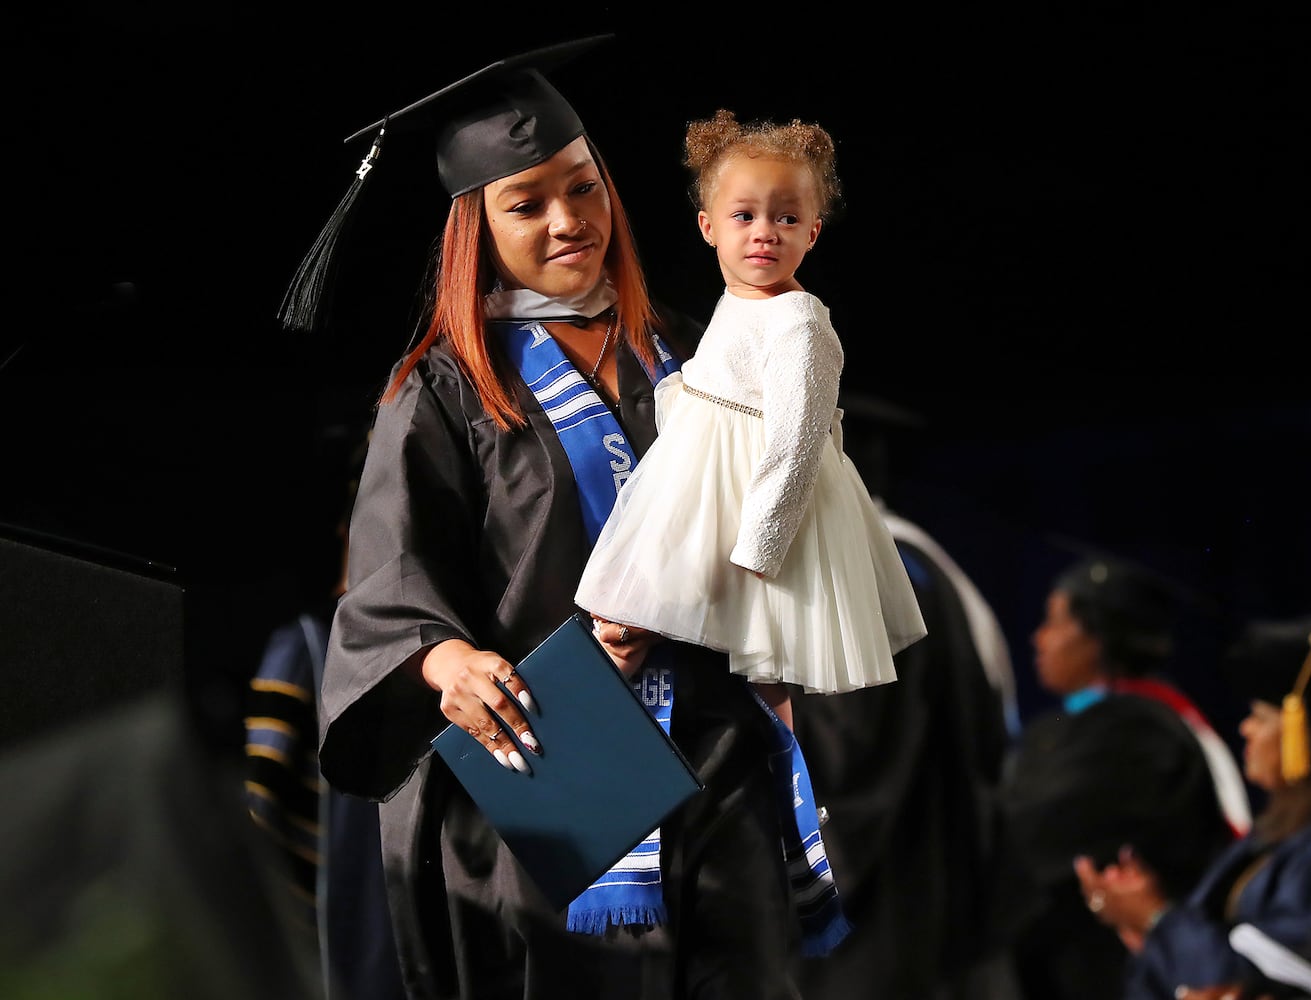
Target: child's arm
(801,371)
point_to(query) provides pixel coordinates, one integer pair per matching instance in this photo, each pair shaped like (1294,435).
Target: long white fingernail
(520,765)
(501,759)
(526,700)
(530,741)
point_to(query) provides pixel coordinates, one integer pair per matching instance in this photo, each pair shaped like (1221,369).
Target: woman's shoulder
(1120,719)
(1134,722)
(434,382)
(1134,708)
(435,365)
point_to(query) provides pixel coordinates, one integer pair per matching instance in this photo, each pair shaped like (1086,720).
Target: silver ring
(495,736)
(1096,901)
(623,635)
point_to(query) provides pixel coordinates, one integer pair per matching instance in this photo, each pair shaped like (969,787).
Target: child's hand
(626,644)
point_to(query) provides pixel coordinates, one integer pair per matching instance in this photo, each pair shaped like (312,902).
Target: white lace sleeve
(800,393)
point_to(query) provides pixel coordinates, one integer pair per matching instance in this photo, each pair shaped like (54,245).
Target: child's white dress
(748,474)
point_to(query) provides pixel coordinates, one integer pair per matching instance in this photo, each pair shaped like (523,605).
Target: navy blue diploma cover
(607,776)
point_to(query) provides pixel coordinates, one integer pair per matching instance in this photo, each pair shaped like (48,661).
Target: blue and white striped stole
(823,924)
(602,459)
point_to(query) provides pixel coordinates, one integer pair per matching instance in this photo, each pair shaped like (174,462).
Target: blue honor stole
(597,447)
(824,925)
(602,460)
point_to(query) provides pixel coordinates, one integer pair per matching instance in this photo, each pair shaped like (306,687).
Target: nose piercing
(582,224)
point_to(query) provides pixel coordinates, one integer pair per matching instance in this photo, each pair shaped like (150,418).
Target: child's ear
(814,233)
(703,223)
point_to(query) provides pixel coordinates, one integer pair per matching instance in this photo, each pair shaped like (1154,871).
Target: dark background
(1069,275)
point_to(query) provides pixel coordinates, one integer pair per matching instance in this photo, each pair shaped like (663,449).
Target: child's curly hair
(710,141)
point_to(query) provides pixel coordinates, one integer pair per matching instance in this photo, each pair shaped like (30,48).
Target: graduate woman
(491,467)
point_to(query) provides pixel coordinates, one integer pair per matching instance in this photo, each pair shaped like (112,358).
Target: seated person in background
(1264,880)
(1110,766)
(330,842)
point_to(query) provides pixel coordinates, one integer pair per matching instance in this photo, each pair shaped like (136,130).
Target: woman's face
(1262,730)
(550,224)
(1066,657)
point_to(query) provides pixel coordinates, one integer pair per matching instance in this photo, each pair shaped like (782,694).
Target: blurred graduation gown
(908,772)
(130,868)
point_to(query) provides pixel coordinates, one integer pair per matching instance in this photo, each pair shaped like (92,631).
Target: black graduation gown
(909,773)
(461,530)
(1124,771)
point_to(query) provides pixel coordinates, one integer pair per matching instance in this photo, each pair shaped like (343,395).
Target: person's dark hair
(1129,609)
(1264,658)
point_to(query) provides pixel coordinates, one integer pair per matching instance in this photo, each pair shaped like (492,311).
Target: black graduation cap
(1271,661)
(1266,658)
(504,118)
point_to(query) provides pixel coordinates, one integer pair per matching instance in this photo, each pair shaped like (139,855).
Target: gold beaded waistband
(750,411)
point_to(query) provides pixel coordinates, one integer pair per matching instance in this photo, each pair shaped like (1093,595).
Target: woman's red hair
(465,274)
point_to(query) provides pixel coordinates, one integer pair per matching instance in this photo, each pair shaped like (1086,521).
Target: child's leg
(778,698)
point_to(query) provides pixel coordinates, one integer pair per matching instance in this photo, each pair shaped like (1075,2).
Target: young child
(744,527)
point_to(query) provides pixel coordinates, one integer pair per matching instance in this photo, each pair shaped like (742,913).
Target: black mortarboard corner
(502,119)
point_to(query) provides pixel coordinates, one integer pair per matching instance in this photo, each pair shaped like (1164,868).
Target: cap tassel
(1295,759)
(308,298)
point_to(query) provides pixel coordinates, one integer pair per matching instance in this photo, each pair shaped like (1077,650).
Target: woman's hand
(471,699)
(1125,896)
(627,645)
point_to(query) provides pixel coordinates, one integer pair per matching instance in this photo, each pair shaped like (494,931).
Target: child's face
(762,218)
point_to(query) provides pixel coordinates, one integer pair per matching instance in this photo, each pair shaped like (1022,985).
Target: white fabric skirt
(831,620)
